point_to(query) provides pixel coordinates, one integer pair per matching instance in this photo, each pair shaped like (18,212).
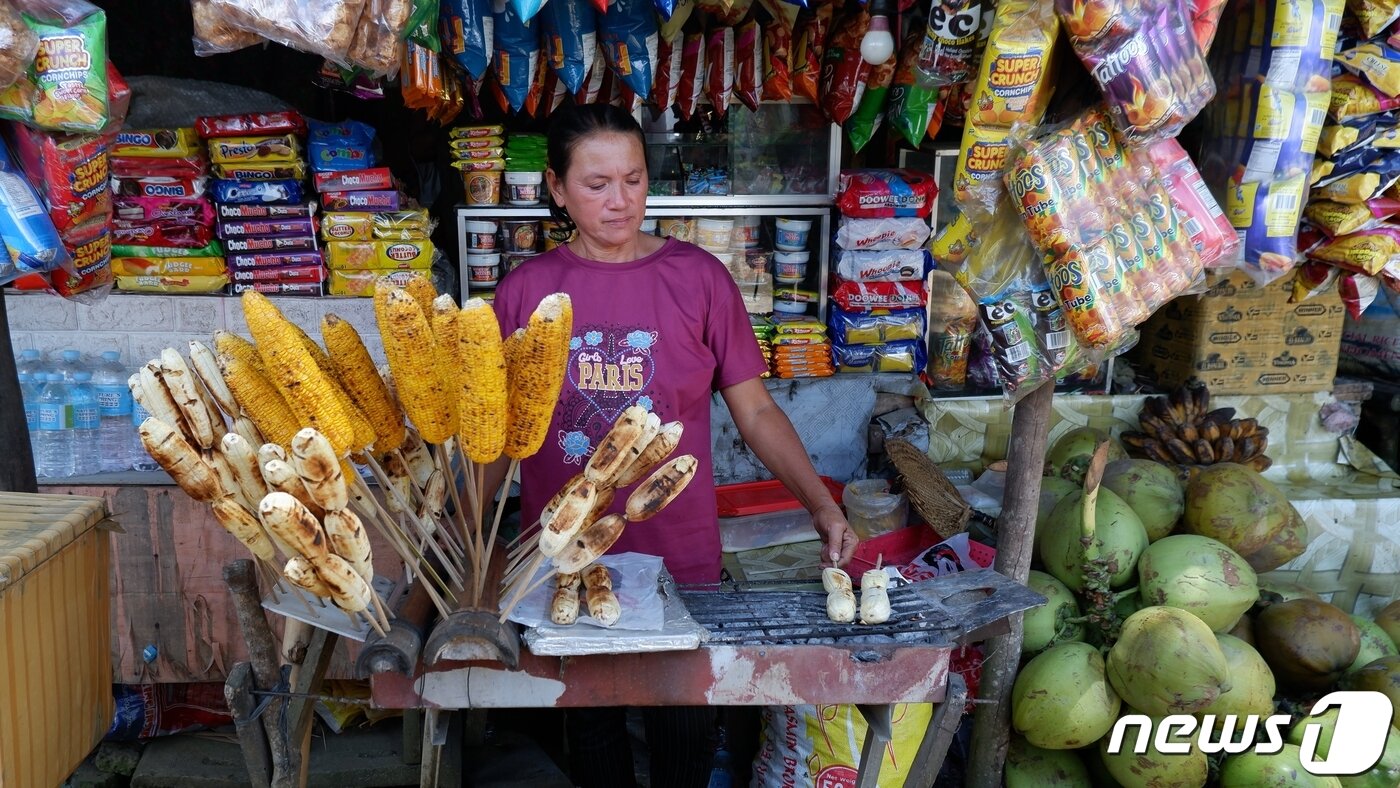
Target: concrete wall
(140,325)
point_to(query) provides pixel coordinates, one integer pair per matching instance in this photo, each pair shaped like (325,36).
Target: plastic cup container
(679,229)
(556,234)
(746,232)
(789,306)
(520,235)
(483,270)
(790,266)
(792,234)
(649,226)
(872,510)
(523,188)
(481,235)
(483,187)
(517,259)
(714,233)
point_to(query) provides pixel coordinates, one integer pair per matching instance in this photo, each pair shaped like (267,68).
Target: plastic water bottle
(87,425)
(722,772)
(53,451)
(69,364)
(114,406)
(140,459)
(29,392)
(30,361)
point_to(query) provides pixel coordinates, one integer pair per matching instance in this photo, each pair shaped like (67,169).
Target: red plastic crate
(738,500)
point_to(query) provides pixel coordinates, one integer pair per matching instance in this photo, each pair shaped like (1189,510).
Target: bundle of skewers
(266,432)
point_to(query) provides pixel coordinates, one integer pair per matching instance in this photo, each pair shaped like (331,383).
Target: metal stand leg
(878,734)
(939,736)
(435,725)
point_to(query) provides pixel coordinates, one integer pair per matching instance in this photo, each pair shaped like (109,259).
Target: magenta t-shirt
(663,332)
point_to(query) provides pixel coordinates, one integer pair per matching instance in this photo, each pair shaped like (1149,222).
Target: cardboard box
(1241,338)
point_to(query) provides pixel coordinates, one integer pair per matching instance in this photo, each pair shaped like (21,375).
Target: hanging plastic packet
(777,70)
(947,53)
(692,85)
(671,24)
(469,27)
(629,37)
(865,121)
(719,68)
(422,27)
(664,8)
(809,44)
(1358,292)
(844,71)
(1335,218)
(1353,97)
(570,32)
(1205,20)
(517,56)
(783,13)
(748,65)
(21,45)
(911,106)
(66,88)
(1374,15)
(668,73)
(1338,138)
(1312,279)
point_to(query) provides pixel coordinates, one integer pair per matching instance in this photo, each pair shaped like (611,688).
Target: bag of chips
(692,85)
(468,28)
(947,53)
(865,121)
(748,64)
(844,72)
(719,68)
(27,233)
(570,31)
(670,28)
(630,39)
(517,56)
(668,73)
(911,106)
(809,44)
(66,88)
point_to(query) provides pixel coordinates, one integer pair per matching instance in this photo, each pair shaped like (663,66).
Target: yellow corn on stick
(537,375)
(412,352)
(356,373)
(259,399)
(364,431)
(315,462)
(510,346)
(227,343)
(206,367)
(293,370)
(484,385)
(422,289)
(444,317)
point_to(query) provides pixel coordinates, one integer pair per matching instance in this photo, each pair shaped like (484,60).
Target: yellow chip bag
(1367,251)
(1378,63)
(1374,15)
(1353,98)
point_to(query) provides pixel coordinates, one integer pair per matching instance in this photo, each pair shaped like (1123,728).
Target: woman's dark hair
(568,126)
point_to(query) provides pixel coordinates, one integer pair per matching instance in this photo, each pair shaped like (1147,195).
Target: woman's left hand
(838,540)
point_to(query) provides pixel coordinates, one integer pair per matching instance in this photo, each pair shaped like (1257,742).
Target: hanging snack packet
(692,85)
(422,25)
(630,38)
(911,106)
(1337,138)
(1358,185)
(844,71)
(66,88)
(70,174)
(1367,251)
(26,230)
(1377,62)
(670,28)
(777,72)
(719,68)
(668,73)
(809,42)
(871,111)
(570,31)
(469,29)
(947,54)
(517,56)
(1353,97)
(748,64)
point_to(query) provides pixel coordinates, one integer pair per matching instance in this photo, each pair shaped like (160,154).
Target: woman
(660,323)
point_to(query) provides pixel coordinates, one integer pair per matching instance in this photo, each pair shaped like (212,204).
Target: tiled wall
(141,325)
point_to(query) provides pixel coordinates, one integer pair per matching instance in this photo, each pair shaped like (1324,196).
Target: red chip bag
(810,43)
(70,172)
(748,58)
(719,68)
(593,83)
(844,71)
(668,73)
(692,74)
(777,70)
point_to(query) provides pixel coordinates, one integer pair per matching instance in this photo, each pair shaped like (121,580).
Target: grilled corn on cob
(179,459)
(356,372)
(485,389)
(412,352)
(536,375)
(259,399)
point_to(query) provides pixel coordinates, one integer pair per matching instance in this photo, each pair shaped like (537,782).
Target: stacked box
(164,229)
(1243,338)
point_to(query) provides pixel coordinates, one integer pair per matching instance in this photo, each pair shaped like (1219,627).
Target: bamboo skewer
(448,566)
(427,575)
(495,527)
(527,584)
(459,539)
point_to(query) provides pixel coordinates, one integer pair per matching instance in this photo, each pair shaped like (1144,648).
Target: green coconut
(1053,489)
(1386,772)
(1061,699)
(1198,575)
(1283,769)
(1375,643)
(1235,505)
(1053,622)
(1388,619)
(1308,644)
(1029,766)
(1118,534)
(1285,590)
(1152,490)
(1381,675)
(1167,661)
(1251,682)
(1069,457)
(1154,768)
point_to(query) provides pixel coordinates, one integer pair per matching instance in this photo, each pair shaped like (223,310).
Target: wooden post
(991,733)
(17,460)
(242,582)
(252,739)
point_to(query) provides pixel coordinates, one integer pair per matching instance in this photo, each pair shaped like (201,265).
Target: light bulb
(877,46)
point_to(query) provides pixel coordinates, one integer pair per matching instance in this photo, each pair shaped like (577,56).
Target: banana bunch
(1181,429)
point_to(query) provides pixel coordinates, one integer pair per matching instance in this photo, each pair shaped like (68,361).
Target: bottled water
(114,406)
(140,460)
(29,392)
(70,363)
(53,452)
(87,425)
(30,361)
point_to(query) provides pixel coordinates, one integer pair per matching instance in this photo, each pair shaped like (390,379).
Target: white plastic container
(746,232)
(872,509)
(649,226)
(714,234)
(483,270)
(790,267)
(792,234)
(480,235)
(523,188)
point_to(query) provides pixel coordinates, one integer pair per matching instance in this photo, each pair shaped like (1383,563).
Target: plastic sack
(570,32)
(881,234)
(1371,342)
(376,48)
(26,230)
(947,53)
(893,265)
(630,38)
(323,27)
(18,45)
(517,56)
(879,194)
(469,28)
(777,68)
(634,577)
(66,88)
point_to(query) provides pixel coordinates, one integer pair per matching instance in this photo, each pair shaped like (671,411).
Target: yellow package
(283,149)
(168,266)
(980,161)
(386,255)
(1321,168)
(1354,189)
(172,284)
(157,143)
(1335,138)
(278,171)
(361,283)
(1374,15)
(1367,251)
(1378,63)
(1353,98)
(338,226)
(952,244)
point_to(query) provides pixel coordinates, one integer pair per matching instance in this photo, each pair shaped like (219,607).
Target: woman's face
(605,189)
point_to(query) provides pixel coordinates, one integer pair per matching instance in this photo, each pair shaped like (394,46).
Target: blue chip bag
(570,31)
(517,55)
(467,29)
(337,147)
(25,227)
(527,8)
(665,8)
(630,41)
